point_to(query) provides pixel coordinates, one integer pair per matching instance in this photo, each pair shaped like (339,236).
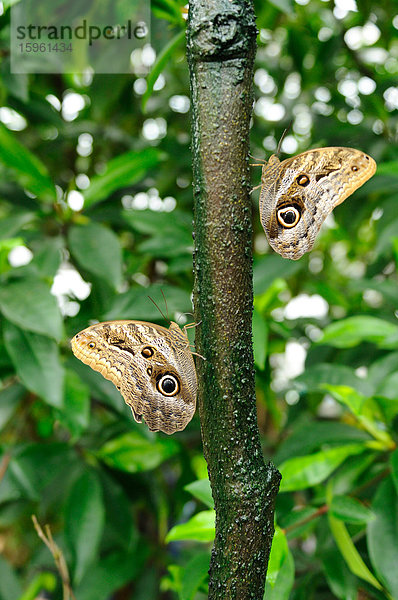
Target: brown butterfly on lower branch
(298,194)
(150,365)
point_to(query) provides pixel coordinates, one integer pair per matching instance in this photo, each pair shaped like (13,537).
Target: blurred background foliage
(96,214)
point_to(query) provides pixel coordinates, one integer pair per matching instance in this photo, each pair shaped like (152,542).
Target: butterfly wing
(305,189)
(151,366)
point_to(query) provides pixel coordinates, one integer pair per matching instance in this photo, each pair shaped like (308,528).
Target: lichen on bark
(221,38)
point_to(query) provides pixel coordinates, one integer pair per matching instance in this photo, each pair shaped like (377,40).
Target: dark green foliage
(118,498)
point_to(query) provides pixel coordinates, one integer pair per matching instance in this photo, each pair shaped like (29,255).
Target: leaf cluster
(95,215)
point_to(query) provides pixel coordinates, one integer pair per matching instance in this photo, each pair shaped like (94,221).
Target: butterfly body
(151,366)
(298,194)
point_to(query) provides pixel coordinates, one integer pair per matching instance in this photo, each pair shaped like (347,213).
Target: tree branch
(221,46)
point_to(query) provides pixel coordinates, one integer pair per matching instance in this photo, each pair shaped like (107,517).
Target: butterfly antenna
(283,137)
(165,302)
(163,315)
(262,161)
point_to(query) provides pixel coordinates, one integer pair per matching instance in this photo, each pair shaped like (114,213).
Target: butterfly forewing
(298,194)
(151,366)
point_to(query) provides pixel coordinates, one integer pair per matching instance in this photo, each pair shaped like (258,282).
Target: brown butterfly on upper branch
(298,194)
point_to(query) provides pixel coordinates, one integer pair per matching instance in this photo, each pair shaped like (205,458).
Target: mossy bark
(221,41)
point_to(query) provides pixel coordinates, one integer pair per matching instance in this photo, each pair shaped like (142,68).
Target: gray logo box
(61,36)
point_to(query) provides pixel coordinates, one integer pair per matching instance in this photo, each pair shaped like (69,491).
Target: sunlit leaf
(350,553)
(201,490)
(200,527)
(305,471)
(354,330)
(280,573)
(279,550)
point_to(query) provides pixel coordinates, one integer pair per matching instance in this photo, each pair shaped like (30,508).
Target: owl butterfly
(298,194)
(150,365)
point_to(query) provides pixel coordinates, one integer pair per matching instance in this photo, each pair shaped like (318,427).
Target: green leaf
(47,258)
(126,169)
(307,437)
(134,453)
(41,583)
(394,468)
(380,370)
(167,9)
(76,409)
(36,466)
(36,361)
(201,490)
(270,267)
(353,472)
(194,574)
(30,171)
(300,522)
(29,304)
(12,224)
(284,582)
(167,53)
(346,395)
(365,409)
(84,521)
(150,222)
(350,510)
(280,573)
(96,248)
(349,332)
(285,6)
(170,233)
(305,471)
(279,551)
(201,528)
(387,168)
(342,582)
(314,378)
(389,387)
(10,586)
(109,574)
(382,535)
(135,304)
(260,335)
(350,553)
(10,397)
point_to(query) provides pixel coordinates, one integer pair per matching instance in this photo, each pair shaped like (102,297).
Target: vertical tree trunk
(221,46)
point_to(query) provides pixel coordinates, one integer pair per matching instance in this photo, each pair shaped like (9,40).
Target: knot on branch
(215,35)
